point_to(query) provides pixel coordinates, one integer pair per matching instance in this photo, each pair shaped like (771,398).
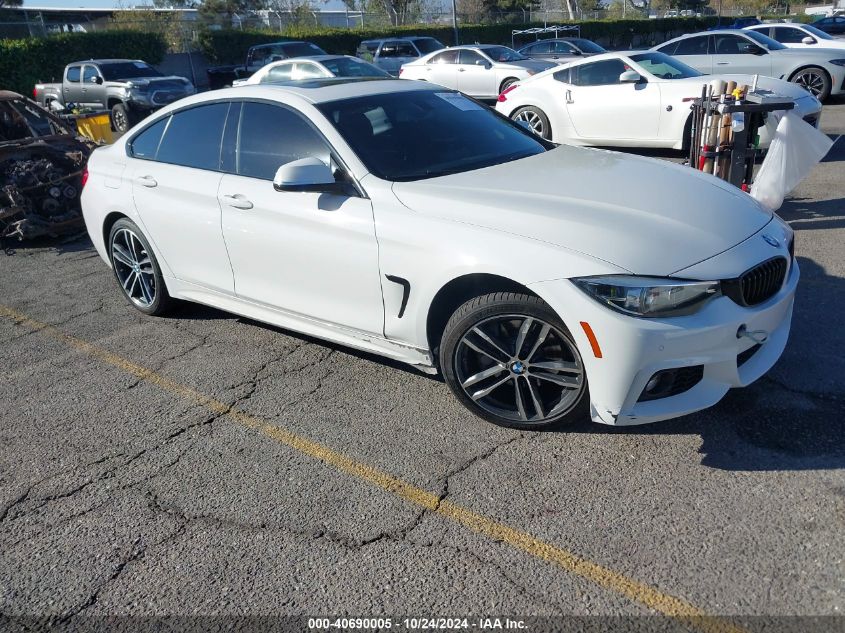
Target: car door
(313,254)
(476,74)
(72,85)
(442,69)
(175,169)
(538,50)
(693,51)
(93,90)
(603,109)
(737,54)
(791,36)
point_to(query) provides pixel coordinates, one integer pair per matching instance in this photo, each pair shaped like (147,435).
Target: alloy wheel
(533,120)
(520,368)
(811,81)
(134,268)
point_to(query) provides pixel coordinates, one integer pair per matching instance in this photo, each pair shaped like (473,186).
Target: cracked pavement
(119,497)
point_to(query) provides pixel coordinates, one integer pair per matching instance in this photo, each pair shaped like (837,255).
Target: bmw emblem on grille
(771,241)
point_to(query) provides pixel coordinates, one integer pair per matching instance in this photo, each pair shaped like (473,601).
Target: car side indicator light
(594,343)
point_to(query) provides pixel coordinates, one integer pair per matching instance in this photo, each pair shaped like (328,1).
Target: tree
(5,4)
(214,10)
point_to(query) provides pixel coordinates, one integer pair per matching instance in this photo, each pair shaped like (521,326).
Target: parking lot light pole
(455,21)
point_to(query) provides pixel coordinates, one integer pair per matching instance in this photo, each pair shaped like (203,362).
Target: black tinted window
(145,145)
(598,73)
(193,137)
(789,35)
(127,70)
(271,136)
(73,73)
(534,49)
(460,135)
(691,46)
(428,45)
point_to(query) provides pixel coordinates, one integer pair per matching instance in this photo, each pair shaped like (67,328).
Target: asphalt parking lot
(204,464)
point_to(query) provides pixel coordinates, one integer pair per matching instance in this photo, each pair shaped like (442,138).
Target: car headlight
(838,62)
(649,296)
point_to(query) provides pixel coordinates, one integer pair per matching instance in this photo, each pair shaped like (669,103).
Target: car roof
(328,89)
(108,61)
(393,39)
(313,58)
(282,43)
(8,95)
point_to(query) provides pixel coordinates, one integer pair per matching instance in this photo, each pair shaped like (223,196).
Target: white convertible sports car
(631,99)
(407,220)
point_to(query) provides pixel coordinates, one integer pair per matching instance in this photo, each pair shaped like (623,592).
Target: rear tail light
(34,93)
(503,97)
(84,176)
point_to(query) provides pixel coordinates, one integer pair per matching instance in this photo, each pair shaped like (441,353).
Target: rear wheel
(814,80)
(510,360)
(136,268)
(535,119)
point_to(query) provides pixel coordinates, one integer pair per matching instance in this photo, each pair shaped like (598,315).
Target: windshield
(586,46)
(817,32)
(21,119)
(663,66)
(460,135)
(348,67)
(428,45)
(127,70)
(302,49)
(502,54)
(765,41)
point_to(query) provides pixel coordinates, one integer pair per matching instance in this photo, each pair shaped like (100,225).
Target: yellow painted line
(635,590)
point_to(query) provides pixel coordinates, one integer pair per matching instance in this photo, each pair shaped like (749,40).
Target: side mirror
(753,49)
(307,174)
(808,40)
(630,77)
(276,58)
(97,80)
(481,62)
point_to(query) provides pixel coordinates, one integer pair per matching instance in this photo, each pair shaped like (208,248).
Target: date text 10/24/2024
(416,624)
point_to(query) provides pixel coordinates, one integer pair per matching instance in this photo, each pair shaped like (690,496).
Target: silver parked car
(390,53)
(729,51)
(480,70)
(564,49)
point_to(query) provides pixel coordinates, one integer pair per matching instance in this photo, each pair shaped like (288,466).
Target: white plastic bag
(795,149)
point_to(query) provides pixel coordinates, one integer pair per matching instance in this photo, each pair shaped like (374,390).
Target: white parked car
(821,71)
(481,71)
(407,220)
(315,67)
(797,35)
(630,99)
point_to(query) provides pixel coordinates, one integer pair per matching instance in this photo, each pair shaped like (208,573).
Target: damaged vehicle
(41,165)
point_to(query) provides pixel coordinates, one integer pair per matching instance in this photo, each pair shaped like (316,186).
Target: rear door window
(73,74)
(145,145)
(691,46)
(447,57)
(193,137)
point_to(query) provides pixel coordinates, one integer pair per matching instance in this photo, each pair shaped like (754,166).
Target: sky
(331,5)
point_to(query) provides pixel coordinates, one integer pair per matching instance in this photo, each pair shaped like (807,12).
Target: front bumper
(635,349)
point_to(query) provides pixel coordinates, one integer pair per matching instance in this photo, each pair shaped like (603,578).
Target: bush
(229,46)
(23,63)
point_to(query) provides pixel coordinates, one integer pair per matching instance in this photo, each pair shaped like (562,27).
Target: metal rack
(728,153)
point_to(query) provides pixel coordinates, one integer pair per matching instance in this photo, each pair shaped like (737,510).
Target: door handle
(238,201)
(569,97)
(723,63)
(462,70)
(146,181)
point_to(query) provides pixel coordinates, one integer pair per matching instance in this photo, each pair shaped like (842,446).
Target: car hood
(643,215)
(537,65)
(171,82)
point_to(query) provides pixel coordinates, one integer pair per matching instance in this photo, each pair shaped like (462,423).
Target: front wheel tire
(814,80)
(510,360)
(136,269)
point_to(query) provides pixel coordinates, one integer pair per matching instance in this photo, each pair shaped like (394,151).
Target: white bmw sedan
(481,71)
(404,219)
(631,99)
